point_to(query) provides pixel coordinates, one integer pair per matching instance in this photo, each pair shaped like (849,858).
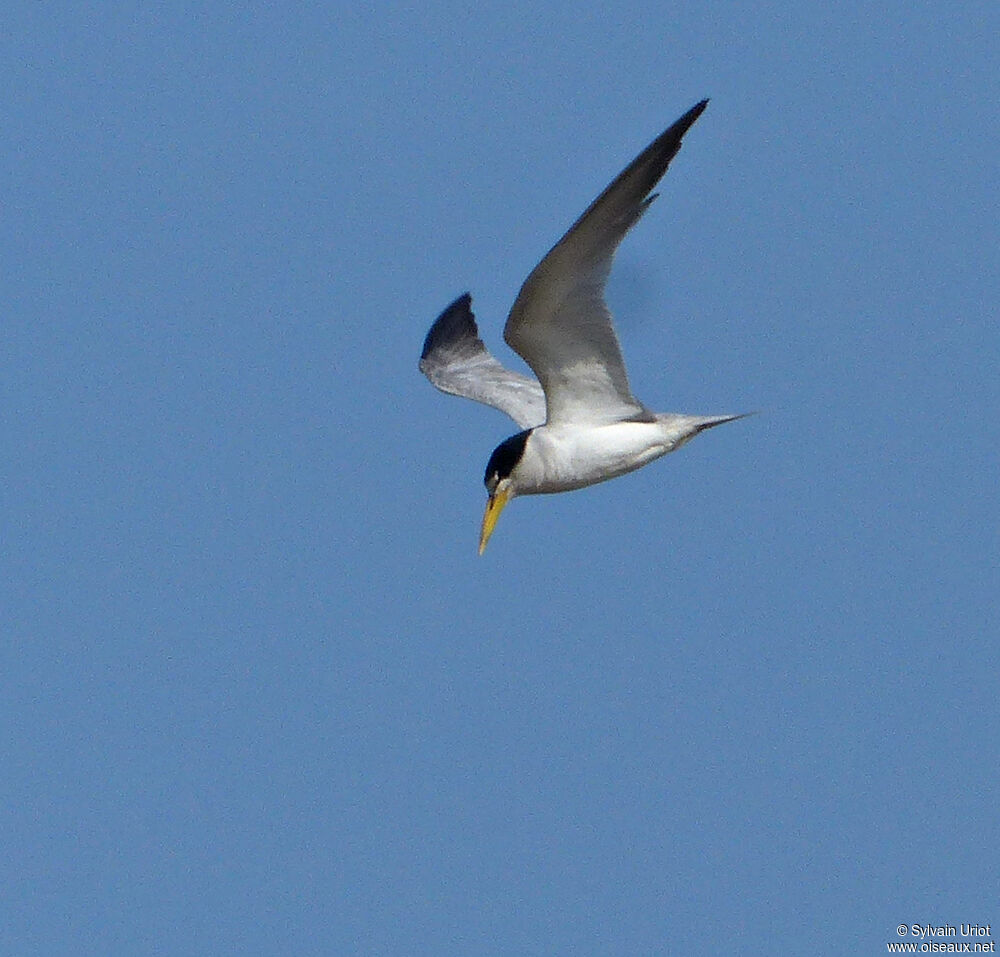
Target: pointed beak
(493,509)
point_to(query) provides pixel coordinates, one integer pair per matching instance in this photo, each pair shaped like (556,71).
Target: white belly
(569,457)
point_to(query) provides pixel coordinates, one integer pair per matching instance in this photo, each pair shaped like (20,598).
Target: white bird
(581,424)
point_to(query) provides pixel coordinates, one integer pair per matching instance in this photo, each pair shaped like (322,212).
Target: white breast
(559,458)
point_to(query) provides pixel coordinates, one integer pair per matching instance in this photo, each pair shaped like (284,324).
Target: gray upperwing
(560,324)
(456,361)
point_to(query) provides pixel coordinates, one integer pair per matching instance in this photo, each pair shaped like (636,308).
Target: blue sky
(260,696)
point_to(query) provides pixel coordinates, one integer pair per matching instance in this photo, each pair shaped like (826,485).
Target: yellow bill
(493,509)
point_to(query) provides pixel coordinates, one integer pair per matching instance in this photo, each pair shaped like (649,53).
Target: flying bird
(580,422)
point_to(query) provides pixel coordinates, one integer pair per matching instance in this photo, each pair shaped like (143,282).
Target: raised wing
(560,324)
(456,361)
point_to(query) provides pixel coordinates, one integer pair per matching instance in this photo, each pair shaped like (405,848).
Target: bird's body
(580,422)
(563,457)
(560,458)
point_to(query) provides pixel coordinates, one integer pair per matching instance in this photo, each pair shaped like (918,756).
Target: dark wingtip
(687,120)
(650,165)
(456,322)
(723,419)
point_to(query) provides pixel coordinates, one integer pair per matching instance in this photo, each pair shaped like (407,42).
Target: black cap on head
(505,457)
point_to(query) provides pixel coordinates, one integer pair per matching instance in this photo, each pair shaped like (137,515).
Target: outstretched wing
(560,324)
(456,361)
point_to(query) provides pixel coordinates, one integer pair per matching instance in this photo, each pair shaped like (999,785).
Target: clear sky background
(258,694)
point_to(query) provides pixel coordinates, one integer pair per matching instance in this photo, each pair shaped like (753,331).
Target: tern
(580,422)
